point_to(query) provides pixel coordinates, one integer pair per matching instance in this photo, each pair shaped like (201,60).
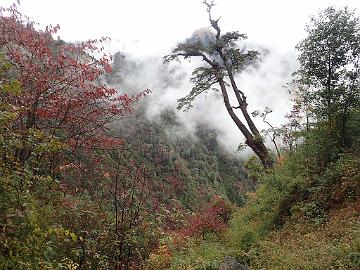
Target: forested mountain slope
(87,181)
(194,168)
(304,213)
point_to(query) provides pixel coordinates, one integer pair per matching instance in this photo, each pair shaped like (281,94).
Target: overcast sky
(154,26)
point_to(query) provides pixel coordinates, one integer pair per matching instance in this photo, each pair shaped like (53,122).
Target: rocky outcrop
(231,263)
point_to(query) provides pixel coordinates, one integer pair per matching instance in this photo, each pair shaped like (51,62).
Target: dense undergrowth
(303,215)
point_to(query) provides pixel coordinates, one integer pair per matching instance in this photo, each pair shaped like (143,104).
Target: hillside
(296,219)
(99,172)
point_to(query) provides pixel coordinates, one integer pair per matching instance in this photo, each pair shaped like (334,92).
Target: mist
(263,85)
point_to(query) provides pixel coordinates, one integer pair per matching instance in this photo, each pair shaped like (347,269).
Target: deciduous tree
(61,91)
(329,73)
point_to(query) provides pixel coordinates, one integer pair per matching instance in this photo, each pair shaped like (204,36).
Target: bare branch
(214,23)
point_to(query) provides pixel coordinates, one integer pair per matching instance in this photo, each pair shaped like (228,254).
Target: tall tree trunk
(253,141)
(252,136)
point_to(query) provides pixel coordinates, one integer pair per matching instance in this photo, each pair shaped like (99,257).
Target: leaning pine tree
(223,59)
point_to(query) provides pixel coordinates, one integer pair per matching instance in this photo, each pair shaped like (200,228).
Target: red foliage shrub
(62,92)
(213,219)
